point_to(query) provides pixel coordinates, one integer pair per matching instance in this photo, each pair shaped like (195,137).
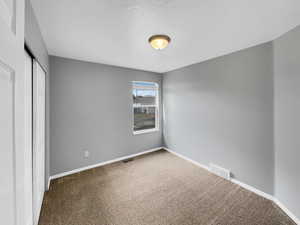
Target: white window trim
(157,112)
(145,131)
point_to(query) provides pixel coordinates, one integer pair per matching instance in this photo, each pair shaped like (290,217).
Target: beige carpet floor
(154,189)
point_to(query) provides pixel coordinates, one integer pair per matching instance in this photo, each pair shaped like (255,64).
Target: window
(145,107)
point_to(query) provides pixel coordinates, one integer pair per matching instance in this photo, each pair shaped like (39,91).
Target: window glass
(144,97)
(144,118)
(145,105)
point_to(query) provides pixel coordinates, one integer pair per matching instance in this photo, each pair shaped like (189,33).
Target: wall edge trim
(244,185)
(100,164)
(287,211)
(235,181)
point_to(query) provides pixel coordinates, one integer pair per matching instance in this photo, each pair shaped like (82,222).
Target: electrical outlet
(86,154)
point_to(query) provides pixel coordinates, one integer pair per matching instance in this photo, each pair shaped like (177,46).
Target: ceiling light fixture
(159,41)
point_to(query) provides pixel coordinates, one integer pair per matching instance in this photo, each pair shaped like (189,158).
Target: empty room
(150,112)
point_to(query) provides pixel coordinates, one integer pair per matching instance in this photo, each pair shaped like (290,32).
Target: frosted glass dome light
(160,41)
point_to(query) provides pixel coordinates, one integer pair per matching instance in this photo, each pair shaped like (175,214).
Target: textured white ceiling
(116,32)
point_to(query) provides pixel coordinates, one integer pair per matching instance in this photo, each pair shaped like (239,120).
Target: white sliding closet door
(38,139)
(28,141)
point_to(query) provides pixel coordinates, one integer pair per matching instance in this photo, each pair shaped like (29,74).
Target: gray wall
(91,109)
(287,120)
(221,111)
(34,41)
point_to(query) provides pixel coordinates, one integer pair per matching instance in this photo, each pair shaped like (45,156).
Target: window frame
(157,113)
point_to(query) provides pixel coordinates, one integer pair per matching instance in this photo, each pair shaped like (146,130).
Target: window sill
(145,131)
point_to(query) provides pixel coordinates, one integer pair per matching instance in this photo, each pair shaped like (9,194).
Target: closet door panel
(39,139)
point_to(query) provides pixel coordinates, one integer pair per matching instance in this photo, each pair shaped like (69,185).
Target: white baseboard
(48,184)
(100,164)
(246,186)
(253,189)
(187,159)
(287,211)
